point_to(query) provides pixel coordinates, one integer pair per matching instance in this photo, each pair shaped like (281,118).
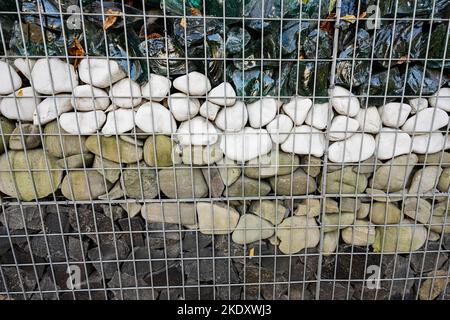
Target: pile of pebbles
(195,172)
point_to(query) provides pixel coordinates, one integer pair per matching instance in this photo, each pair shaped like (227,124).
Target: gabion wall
(224,149)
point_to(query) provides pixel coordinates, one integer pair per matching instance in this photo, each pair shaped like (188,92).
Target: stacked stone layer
(295,175)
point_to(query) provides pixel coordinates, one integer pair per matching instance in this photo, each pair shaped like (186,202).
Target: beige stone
(35,174)
(296,233)
(114,149)
(216,218)
(360,234)
(84,185)
(170,212)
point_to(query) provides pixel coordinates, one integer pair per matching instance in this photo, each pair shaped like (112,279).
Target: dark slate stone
(26,216)
(55,208)
(115,212)
(57,222)
(225,247)
(431,258)
(159,258)
(4,240)
(137,231)
(77,249)
(195,292)
(91,224)
(46,284)
(252,277)
(159,233)
(401,270)
(309,259)
(446,241)
(363,292)
(19,238)
(230,292)
(297,291)
(219,270)
(130,288)
(329,290)
(163,258)
(50,247)
(289,267)
(349,263)
(138,262)
(92,289)
(63,273)
(256,252)
(166,277)
(191,238)
(20,282)
(202,253)
(22,257)
(171,294)
(110,259)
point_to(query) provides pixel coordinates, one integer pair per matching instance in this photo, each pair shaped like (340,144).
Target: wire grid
(304,272)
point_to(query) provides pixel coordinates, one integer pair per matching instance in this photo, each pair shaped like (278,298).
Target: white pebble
(88,98)
(193,83)
(197,131)
(100,73)
(319,114)
(25,66)
(298,109)
(394,114)
(369,120)
(426,121)
(157,88)
(152,117)
(232,118)
(209,110)
(418,104)
(280,128)
(246,144)
(261,112)
(82,123)
(305,140)
(52,76)
(358,147)
(441,99)
(10,80)
(126,93)
(183,107)
(342,127)
(428,143)
(344,102)
(119,121)
(51,108)
(223,95)
(25,106)
(392,143)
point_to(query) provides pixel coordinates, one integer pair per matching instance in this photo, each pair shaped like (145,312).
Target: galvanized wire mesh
(120,255)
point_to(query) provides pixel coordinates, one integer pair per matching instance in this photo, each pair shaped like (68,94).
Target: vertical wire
(188,98)
(153,137)
(426,156)
(120,156)
(85,169)
(358,166)
(11,171)
(261,103)
(28,166)
(323,191)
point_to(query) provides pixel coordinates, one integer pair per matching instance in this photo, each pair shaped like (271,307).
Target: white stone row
(99,97)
